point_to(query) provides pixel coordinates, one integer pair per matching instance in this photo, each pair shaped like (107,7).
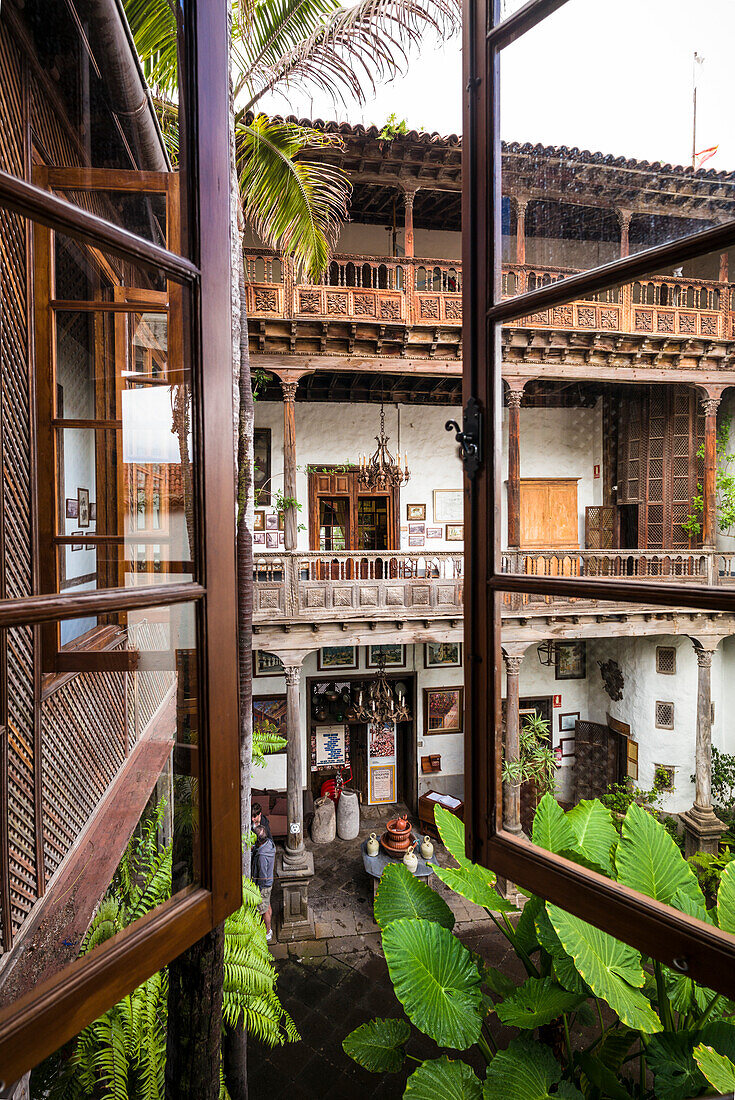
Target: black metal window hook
(469,437)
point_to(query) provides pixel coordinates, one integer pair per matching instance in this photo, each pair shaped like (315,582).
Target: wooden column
(702,828)
(724,267)
(512,791)
(710,405)
(294,770)
(521,205)
(624,217)
(290,518)
(408,242)
(515,396)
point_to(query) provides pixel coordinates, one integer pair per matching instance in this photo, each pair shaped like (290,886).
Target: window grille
(666,660)
(664,716)
(669,771)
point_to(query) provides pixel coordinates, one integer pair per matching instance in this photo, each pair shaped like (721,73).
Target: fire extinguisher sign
(557,700)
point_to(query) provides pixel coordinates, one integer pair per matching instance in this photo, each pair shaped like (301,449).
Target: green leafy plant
(619,797)
(709,868)
(537,761)
(723,779)
(664,1026)
(393,128)
(724,487)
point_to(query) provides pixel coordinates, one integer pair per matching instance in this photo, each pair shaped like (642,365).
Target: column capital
(521,205)
(704,657)
(289,390)
(293,675)
(513,662)
(514,398)
(623,216)
(408,197)
(710,405)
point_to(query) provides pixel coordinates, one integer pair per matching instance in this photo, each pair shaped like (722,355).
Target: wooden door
(371,519)
(597,759)
(549,517)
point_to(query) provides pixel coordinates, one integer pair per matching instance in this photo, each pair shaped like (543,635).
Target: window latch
(470,437)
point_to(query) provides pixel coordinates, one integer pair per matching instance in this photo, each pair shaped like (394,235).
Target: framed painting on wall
(259,521)
(393,655)
(337,656)
(434,532)
(416,528)
(83,498)
(416,511)
(382,788)
(443,710)
(567,722)
(271,522)
(266,664)
(570,660)
(455,532)
(262,465)
(269,713)
(442,655)
(258,538)
(448,506)
(271,540)
(416,540)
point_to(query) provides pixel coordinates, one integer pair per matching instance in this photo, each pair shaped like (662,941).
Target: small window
(664,716)
(666,660)
(631,759)
(664,775)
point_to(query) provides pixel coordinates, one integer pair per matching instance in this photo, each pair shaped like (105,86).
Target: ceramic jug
(372,847)
(411,860)
(427,848)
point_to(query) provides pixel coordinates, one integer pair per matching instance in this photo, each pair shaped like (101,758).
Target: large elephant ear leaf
(436,980)
(717,1068)
(592,825)
(535,1003)
(610,968)
(378,1045)
(451,831)
(443,1079)
(476,884)
(726,899)
(400,894)
(564,968)
(551,830)
(525,1070)
(648,860)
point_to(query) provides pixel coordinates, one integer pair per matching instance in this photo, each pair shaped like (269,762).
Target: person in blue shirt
(263,866)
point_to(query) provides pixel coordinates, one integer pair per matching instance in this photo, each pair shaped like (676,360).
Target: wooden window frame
(54,1012)
(703,952)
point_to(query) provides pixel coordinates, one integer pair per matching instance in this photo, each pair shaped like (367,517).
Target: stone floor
(333,984)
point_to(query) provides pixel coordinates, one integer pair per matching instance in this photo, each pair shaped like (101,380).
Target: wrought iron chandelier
(382,470)
(383,704)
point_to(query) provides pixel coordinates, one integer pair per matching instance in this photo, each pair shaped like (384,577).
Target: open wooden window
(574,281)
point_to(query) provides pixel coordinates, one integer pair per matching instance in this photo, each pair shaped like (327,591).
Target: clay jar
(372,847)
(411,860)
(427,848)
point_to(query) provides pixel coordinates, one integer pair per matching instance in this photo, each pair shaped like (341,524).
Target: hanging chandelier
(382,471)
(383,704)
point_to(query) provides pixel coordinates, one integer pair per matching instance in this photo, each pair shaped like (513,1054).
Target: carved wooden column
(515,395)
(710,405)
(624,217)
(521,205)
(702,828)
(295,866)
(512,791)
(408,242)
(724,267)
(290,519)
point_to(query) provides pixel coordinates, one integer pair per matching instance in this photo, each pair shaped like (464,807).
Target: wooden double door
(343,516)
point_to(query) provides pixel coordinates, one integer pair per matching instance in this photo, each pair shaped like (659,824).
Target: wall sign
(597,470)
(557,700)
(381,737)
(330,746)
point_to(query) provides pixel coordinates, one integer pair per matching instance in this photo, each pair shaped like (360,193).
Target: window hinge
(470,438)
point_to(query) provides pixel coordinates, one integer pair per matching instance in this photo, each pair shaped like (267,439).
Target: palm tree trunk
(195,986)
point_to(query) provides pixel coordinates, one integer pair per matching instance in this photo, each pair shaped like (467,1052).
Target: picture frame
(568,747)
(382,784)
(443,710)
(393,653)
(448,506)
(75,546)
(570,660)
(271,710)
(258,538)
(416,529)
(83,514)
(455,532)
(442,654)
(271,540)
(416,540)
(416,512)
(266,664)
(342,657)
(434,532)
(72,507)
(281,538)
(259,521)
(281,521)
(262,465)
(567,721)
(271,522)
(92,511)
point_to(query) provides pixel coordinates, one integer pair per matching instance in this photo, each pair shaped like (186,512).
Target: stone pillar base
(510,891)
(702,831)
(295,921)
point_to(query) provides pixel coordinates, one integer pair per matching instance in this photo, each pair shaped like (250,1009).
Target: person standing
(257,817)
(263,868)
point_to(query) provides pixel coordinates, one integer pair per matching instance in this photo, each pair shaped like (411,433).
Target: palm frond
(351,51)
(153,24)
(291,202)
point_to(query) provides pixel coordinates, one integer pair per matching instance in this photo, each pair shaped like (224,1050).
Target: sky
(610,77)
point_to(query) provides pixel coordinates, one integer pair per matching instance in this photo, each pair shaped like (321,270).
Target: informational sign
(330,746)
(381,762)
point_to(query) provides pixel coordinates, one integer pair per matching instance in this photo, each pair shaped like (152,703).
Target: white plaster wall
(559,443)
(450,780)
(336,434)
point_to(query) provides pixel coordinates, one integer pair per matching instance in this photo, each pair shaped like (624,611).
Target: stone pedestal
(702,831)
(294,874)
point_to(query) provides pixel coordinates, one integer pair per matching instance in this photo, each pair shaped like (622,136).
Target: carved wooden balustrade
(311,587)
(416,291)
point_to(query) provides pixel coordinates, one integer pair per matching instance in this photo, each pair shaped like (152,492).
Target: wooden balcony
(428,292)
(315,587)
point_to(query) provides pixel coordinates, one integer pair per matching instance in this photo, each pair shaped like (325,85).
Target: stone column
(702,828)
(710,406)
(624,217)
(290,519)
(408,242)
(512,791)
(514,467)
(294,866)
(521,205)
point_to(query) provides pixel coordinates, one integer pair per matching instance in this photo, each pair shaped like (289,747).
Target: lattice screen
(664,715)
(666,660)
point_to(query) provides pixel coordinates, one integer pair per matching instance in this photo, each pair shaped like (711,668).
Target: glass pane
(105,802)
(83,274)
(587,178)
(333,524)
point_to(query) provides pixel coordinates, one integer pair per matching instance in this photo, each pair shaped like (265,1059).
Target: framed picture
(416,511)
(262,464)
(416,529)
(271,540)
(80,546)
(266,664)
(567,722)
(331,746)
(434,532)
(443,655)
(382,787)
(416,540)
(259,521)
(568,747)
(72,507)
(281,521)
(443,710)
(92,511)
(455,532)
(83,498)
(571,660)
(271,522)
(448,506)
(258,538)
(393,654)
(337,656)
(281,538)
(269,712)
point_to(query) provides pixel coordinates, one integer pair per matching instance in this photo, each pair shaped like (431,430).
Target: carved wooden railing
(427,291)
(314,586)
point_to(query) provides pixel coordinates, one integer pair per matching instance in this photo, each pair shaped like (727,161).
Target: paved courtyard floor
(333,984)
